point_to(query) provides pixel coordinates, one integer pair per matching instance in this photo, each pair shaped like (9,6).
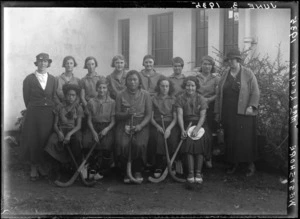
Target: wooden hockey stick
(128,170)
(78,171)
(165,173)
(168,157)
(86,183)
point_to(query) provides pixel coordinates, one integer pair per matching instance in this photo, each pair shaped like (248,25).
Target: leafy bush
(272,119)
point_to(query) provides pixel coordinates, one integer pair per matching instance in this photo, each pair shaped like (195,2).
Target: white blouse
(42,78)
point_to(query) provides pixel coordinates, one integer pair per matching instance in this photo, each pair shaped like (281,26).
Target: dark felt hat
(233,54)
(42,56)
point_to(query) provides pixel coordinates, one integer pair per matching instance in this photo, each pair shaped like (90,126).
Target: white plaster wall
(79,32)
(271,27)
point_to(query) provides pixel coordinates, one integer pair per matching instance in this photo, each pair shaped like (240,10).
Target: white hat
(199,134)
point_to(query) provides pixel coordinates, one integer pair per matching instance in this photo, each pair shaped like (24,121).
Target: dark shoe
(233,169)
(208,163)
(251,170)
(33,173)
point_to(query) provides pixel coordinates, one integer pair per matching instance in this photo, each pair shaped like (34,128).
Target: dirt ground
(220,194)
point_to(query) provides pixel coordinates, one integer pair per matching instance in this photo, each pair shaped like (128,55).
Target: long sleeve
(26,91)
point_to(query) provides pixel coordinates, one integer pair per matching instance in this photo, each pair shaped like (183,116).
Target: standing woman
(149,75)
(164,111)
(88,85)
(191,107)
(136,102)
(101,120)
(39,93)
(117,79)
(88,82)
(177,77)
(236,107)
(208,89)
(67,77)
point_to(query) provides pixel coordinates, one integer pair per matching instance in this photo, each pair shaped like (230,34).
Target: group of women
(140,114)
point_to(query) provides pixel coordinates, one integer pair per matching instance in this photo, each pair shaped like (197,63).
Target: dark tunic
(88,83)
(67,117)
(39,118)
(177,81)
(239,130)
(149,82)
(191,107)
(138,101)
(61,81)
(164,107)
(115,85)
(101,114)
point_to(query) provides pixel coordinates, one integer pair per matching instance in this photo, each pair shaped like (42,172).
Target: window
(162,39)
(124,29)
(201,35)
(231,27)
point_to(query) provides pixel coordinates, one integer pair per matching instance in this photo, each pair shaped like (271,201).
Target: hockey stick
(78,171)
(129,174)
(168,157)
(165,173)
(89,184)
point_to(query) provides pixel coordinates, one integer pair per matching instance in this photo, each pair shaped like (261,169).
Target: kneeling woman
(101,120)
(67,126)
(164,116)
(133,103)
(191,107)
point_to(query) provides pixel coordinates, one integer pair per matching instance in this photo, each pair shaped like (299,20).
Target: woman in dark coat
(133,102)
(39,95)
(236,107)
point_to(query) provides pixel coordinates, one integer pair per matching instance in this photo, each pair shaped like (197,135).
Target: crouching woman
(101,120)
(67,125)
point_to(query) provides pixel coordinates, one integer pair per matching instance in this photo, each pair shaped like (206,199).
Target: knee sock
(159,161)
(137,165)
(199,163)
(190,161)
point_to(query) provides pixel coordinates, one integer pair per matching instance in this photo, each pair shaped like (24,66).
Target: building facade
(133,32)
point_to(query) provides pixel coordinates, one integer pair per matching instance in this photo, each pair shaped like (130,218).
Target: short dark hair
(36,63)
(134,72)
(102,80)
(68,58)
(67,87)
(178,60)
(148,57)
(211,61)
(88,59)
(190,78)
(171,85)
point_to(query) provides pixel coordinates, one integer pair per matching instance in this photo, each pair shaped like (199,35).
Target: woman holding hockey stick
(133,102)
